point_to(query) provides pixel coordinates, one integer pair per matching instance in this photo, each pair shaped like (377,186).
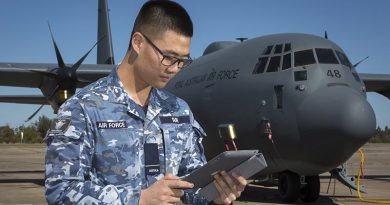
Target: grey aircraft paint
(314,130)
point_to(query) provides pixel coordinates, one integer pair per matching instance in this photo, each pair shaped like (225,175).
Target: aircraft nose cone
(358,121)
(333,131)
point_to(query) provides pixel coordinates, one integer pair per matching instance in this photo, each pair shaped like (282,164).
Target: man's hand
(229,187)
(167,190)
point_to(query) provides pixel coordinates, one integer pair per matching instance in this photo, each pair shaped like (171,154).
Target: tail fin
(105,54)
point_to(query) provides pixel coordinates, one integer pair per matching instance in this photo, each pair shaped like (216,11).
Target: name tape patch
(175,119)
(111,125)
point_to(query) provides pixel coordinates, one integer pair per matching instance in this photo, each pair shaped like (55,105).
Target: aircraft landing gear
(311,190)
(290,187)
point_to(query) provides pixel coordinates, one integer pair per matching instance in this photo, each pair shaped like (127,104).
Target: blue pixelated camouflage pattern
(87,163)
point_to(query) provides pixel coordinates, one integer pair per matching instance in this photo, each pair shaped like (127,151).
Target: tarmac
(22,173)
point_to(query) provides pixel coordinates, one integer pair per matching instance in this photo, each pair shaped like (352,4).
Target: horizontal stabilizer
(24,99)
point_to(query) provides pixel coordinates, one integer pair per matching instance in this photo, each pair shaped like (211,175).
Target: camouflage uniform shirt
(95,152)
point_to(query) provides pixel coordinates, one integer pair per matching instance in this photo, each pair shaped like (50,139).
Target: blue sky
(360,27)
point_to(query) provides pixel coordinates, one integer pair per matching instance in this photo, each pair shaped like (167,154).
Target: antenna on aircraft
(241,39)
(356,64)
(326,35)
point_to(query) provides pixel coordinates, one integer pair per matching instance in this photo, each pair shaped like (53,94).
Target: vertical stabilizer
(105,54)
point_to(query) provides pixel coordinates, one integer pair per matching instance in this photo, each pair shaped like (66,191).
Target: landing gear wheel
(289,186)
(311,191)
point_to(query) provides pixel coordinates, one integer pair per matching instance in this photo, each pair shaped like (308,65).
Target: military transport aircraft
(294,97)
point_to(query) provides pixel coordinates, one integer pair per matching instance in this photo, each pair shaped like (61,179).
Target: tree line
(381,135)
(35,132)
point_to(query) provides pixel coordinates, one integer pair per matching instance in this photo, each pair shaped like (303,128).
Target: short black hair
(159,16)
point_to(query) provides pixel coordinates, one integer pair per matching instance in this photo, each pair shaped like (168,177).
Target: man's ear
(136,42)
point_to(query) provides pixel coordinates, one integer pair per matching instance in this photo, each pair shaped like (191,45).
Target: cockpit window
(274,64)
(305,57)
(287,47)
(260,65)
(343,59)
(278,48)
(268,50)
(356,76)
(326,56)
(286,61)
(271,58)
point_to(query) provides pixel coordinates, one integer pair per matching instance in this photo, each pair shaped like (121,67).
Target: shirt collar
(120,96)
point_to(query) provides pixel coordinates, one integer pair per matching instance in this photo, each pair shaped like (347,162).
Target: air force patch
(111,125)
(59,126)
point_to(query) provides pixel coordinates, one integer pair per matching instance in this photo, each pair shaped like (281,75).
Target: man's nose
(174,68)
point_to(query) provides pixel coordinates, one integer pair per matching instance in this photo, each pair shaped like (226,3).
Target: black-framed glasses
(169,60)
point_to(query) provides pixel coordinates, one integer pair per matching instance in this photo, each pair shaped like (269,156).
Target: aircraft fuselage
(303,85)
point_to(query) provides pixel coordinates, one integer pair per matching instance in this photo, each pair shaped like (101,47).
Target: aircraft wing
(379,83)
(29,74)
(24,99)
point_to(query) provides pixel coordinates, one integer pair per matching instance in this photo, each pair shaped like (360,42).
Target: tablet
(225,161)
(246,169)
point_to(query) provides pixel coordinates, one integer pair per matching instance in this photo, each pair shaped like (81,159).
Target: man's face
(151,68)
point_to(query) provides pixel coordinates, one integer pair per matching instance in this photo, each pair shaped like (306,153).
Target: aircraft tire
(311,191)
(289,186)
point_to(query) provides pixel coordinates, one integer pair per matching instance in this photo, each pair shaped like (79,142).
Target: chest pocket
(175,138)
(116,154)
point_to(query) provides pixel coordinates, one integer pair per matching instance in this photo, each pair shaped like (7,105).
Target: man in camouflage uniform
(121,140)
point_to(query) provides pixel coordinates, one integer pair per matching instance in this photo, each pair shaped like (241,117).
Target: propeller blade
(78,63)
(29,118)
(354,66)
(61,63)
(54,91)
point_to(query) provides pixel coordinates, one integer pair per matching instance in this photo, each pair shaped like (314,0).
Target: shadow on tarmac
(35,180)
(40,182)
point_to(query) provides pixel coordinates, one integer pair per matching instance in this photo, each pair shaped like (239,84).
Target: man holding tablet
(122,140)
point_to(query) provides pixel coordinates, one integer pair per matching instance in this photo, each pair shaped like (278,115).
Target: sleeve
(193,158)
(68,175)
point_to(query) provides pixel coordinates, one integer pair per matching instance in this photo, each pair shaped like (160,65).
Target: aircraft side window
(268,50)
(343,59)
(274,64)
(356,76)
(305,57)
(326,56)
(286,61)
(287,47)
(278,48)
(260,65)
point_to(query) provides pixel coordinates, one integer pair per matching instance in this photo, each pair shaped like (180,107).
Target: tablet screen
(225,161)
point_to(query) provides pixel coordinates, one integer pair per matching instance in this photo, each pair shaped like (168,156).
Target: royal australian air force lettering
(209,78)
